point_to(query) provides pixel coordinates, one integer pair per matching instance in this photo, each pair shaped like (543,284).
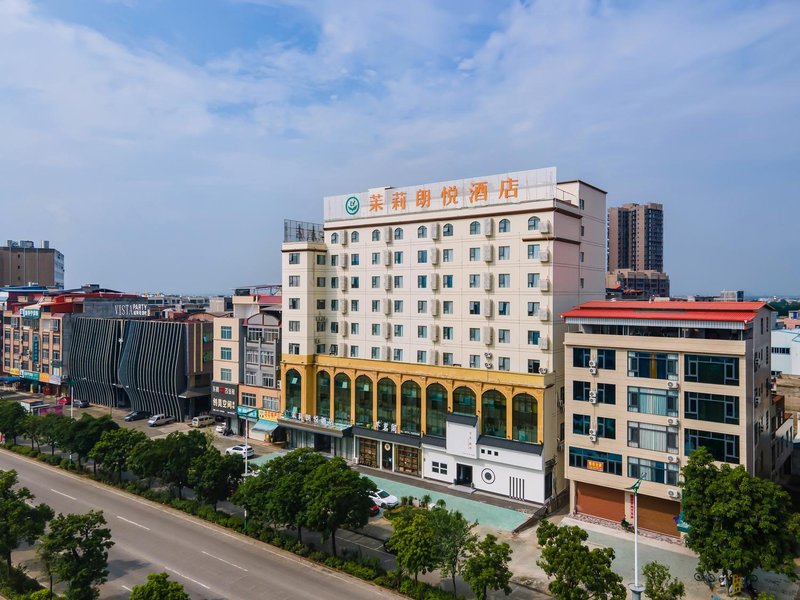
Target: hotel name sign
(507,188)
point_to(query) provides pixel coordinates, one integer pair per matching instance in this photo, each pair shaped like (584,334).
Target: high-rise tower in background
(22,263)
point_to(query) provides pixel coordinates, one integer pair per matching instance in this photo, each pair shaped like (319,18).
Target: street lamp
(636,587)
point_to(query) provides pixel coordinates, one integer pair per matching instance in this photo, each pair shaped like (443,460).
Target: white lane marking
(125,587)
(189,578)
(63,494)
(225,561)
(133,523)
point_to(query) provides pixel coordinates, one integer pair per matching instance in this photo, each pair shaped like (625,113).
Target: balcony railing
(301,231)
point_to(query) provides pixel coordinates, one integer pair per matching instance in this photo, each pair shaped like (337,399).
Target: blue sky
(160,143)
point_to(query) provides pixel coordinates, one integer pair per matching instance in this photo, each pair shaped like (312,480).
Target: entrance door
(322,443)
(463,474)
(387,456)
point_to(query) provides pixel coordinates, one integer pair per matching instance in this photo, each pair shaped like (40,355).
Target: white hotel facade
(421,330)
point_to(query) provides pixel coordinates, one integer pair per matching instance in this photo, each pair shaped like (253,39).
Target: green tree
(31,427)
(19,520)
(12,420)
(182,449)
(148,457)
(81,435)
(737,523)
(414,541)
(51,430)
(75,550)
(579,573)
(275,496)
(213,476)
(486,567)
(335,496)
(114,448)
(454,537)
(658,584)
(159,587)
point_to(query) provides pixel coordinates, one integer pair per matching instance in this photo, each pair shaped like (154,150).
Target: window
(504,280)
(447,307)
(321,282)
(606,393)
(294,325)
(354,328)
(447,281)
(581,203)
(225,332)
(474,361)
(582,256)
(398,331)
(605,462)
(422,256)
(226,375)
(376,329)
(580,357)
(398,258)
(533,365)
(720,370)
(422,281)
(581,282)
(267,357)
(334,260)
(354,237)
(653,470)
(606,428)
(504,363)
(422,231)
(474,334)
(474,228)
(376,258)
(225,353)
(334,238)
(447,333)
(376,235)
(376,306)
(581,424)
(447,230)
(503,336)
(294,258)
(533,224)
(294,303)
(447,358)
(334,327)
(653,437)
(353,351)
(375,352)
(533,251)
(355,259)
(422,331)
(321,326)
(334,304)
(439,467)
(606,359)
(654,365)
(533,338)
(474,281)
(503,252)
(447,255)
(375,281)
(583,230)
(533,309)
(398,233)
(354,305)
(422,307)
(723,446)
(320,304)
(321,259)
(294,348)
(474,307)
(504,226)
(503,309)
(474,254)
(533,280)
(354,282)
(248,399)
(250,378)
(398,306)
(398,354)
(422,356)
(653,401)
(711,407)
(580,390)
(272,404)
(334,282)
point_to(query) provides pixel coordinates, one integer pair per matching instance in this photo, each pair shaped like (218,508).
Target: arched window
(422,231)
(387,401)
(294,386)
(504,226)
(447,230)
(524,418)
(376,235)
(410,398)
(341,398)
(464,401)
(474,228)
(493,414)
(334,238)
(533,224)
(354,237)
(323,394)
(398,233)
(364,400)
(435,410)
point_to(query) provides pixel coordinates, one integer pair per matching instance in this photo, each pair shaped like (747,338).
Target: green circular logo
(351,205)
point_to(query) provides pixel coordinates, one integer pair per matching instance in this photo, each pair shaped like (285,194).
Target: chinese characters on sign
(595,465)
(223,404)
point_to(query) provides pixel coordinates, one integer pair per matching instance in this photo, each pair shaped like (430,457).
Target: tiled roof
(670,311)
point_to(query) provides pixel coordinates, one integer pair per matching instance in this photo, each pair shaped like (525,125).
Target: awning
(10,379)
(265,426)
(194,393)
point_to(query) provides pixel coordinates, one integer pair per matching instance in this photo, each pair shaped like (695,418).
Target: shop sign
(44,378)
(247,412)
(268,415)
(311,420)
(29,375)
(595,465)
(35,349)
(385,426)
(55,379)
(29,312)
(223,406)
(14,372)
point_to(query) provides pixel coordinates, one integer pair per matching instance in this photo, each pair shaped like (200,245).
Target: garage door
(598,501)
(658,514)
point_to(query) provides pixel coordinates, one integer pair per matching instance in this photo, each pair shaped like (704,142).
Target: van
(160,419)
(202,421)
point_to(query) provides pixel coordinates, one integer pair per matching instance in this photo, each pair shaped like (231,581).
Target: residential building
(649,382)
(632,285)
(418,330)
(24,264)
(731,296)
(636,250)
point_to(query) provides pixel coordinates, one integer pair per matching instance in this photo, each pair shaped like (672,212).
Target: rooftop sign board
(459,194)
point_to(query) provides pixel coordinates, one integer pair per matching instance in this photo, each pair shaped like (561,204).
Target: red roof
(670,311)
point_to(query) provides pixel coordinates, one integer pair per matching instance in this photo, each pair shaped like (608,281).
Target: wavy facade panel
(93,353)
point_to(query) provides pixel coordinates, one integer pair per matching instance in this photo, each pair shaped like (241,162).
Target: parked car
(242,450)
(160,419)
(64,401)
(202,421)
(384,499)
(137,415)
(81,403)
(374,510)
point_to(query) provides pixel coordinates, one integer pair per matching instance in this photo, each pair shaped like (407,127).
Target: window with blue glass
(653,365)
(711,407)
(606,393)
(596,461)
(580,390)
(722,446)
(607,428)
(606,359)
(653,470)
(581,424)
(580,357)
(652,401)
(720,370)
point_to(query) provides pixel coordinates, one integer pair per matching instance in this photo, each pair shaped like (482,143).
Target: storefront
(388,451)
(600,501)
(224,402)
(321,434)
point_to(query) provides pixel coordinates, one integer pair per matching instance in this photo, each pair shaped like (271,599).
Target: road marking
(63,494)
(225,561)
(189,578)
(125,587)
(133,523)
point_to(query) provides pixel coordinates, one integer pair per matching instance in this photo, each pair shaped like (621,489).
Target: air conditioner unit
(342,350)
(488,335)
(673,421)
(343,307)
(592,371)
(756,400)
(488,365)
(387,282)
(387,235)
(544,256)
(343,236)
(487,282)
(435,333)
(386,353)
(544,285)
(674,493)
(435,231)
(387,258)
(487,355)
(561,403)
(593,439)
(592,364)
(433,357)
(387,330)
(387,306)
(434,252)
(344,260)
(592,397)
(320,319)
(673,385)
(487,307)
(434,308)
(560,445)
(544,226)
(343,328)
(435,281)
(674,459)
(488,227)
(542,371)
(343,284)
(544,343)
(592,432)
(544,314)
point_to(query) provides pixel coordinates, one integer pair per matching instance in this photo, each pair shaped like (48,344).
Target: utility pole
(636,587)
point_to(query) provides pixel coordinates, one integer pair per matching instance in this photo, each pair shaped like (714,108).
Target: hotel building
(648,383)
(419,332)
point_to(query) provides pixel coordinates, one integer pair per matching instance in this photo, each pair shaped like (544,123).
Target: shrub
(359,570)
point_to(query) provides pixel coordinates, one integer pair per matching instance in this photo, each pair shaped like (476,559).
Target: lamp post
(636,587)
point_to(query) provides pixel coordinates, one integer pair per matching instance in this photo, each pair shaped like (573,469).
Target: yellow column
(398,402)
(509,406)
(540,396)
(423,407)
(353,399)
(374,401)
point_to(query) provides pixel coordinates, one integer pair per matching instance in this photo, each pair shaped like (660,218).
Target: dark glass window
(711,407)
(595,461)
(720,370)
(580,357)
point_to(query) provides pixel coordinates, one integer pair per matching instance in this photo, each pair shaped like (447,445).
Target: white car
(242,450)
(160,419)
(384,499)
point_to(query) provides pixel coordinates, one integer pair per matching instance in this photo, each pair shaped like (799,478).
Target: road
(210,563)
